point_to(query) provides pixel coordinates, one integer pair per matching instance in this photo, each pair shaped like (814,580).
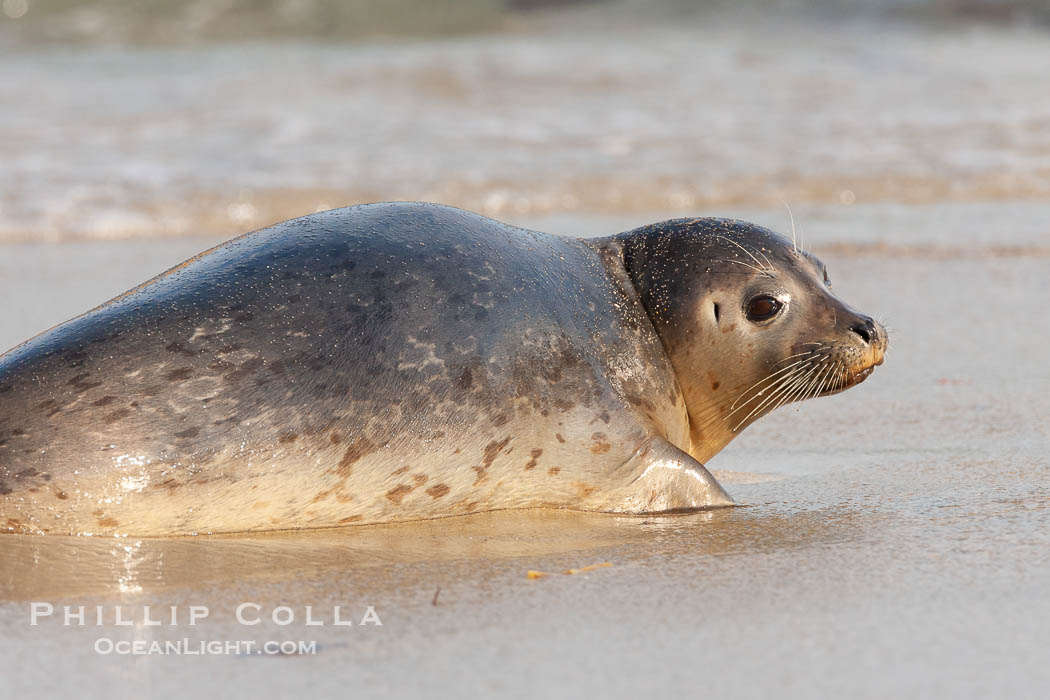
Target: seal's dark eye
(762,308)
(827,280)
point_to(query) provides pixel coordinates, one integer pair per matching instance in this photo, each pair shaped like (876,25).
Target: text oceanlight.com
(247,614)
(188,647)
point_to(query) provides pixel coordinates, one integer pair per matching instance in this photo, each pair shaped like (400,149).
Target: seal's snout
(873,336)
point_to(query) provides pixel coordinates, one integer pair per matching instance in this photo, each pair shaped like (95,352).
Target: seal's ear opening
(716,312)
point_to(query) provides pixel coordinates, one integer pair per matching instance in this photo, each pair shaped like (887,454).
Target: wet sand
(895,539)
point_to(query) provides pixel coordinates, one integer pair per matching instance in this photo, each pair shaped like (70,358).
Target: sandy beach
(893,540)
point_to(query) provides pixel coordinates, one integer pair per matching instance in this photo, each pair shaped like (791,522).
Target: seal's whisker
(783,386)
(820,346)
(741,262)
(748,252)
(884,322)
(840,378)
(786,386)
(809,353)
(808,392)
(769,264)
(807,365)
(824,377)
(787,394)
(791,216)
(813,388)
(800,392)
(830,381)
(819,389)
(808,389)
(819,381)
(782,389)
(800,354)
(797,354)
(773,390)
(766,378)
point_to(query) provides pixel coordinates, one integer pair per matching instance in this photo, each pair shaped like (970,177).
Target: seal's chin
(852,376)
(855,377)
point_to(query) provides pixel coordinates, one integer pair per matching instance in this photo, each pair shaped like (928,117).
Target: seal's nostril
(865,329)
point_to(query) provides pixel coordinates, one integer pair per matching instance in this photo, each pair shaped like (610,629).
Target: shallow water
(896,537)
(216,139)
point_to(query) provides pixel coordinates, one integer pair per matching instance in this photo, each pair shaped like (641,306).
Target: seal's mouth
(855,375)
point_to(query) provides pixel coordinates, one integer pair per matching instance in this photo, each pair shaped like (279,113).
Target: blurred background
(127,119)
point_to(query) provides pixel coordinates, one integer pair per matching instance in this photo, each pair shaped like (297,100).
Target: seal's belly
(326,480)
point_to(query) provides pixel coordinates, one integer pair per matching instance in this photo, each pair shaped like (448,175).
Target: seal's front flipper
(663,477)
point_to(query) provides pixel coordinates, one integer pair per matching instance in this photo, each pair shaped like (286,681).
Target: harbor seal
(403,361)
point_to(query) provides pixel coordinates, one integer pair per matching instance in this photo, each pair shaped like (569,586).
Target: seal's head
(748,320)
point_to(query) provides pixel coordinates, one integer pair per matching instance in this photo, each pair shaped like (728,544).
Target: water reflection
(471,547)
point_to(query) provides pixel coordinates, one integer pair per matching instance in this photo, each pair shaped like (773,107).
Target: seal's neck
(645,262)
(675,422)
